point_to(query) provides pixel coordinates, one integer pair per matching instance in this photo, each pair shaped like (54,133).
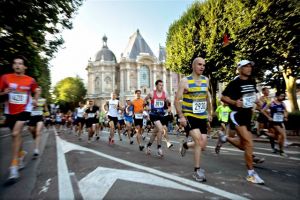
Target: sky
(118,20)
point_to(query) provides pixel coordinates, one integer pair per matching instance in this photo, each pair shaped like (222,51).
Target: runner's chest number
(199,106)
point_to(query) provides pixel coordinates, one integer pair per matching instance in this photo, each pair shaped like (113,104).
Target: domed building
(138,68)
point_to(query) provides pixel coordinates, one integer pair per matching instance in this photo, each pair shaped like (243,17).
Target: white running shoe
(148,150)
(199,175)
(36,153)
(21,160)
(13,173)
(160,152)
(254,178)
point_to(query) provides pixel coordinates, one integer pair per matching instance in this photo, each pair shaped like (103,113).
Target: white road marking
(3,136)
(256,153)
(45,187)
(67,146)
(106,177)
(65,189)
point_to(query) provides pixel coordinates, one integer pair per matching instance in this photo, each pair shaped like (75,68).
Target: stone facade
(138,68)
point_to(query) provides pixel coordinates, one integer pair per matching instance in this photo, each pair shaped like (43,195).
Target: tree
(264,31)
(69,91)
(32,28)
(272,41)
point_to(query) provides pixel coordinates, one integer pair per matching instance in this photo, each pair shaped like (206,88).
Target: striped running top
(194,102)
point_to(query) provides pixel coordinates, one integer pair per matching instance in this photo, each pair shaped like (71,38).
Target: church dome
(105,54)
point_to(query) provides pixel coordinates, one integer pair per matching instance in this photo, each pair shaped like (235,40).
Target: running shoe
(89,141)
(112,141)
(36,153)
(148,150)
(141,148)
(221,140)
(283,154)
(258,160)
(21,160)
(13,173)
(182,150)
(199,175)
(160,152)
(274,150)
(131,142)
(254,178)
(169,145)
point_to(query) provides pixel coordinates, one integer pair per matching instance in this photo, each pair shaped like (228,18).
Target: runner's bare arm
(264,112)
(105,106)
(37,94)
(149,96)
(209,103)
(228,100)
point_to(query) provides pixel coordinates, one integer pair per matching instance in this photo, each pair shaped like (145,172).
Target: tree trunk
(290,82)
(213,92)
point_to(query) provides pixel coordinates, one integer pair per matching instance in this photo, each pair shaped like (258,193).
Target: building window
(144,76)
(107,80)
(108,83)
(97,85)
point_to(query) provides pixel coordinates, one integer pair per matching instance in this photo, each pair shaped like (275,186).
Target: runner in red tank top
(158,100)
(19,88)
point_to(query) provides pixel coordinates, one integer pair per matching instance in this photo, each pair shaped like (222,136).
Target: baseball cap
(244,62)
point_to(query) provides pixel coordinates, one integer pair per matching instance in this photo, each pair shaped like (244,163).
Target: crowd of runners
(152,115)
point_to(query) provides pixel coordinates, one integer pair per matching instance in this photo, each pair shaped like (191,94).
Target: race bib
(199,106)
(138,116)
(80,114)
(158,103)
(130,113)
(91,115)
(17,98)
(249,100)
(36,112)
(225,115)
(278,117)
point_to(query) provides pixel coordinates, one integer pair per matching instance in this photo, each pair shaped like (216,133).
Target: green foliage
(69,91)
(32,28)
(265,31)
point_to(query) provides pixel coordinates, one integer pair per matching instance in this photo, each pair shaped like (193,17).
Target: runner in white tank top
(112,107)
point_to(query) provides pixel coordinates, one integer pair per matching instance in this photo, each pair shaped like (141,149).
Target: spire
(104,39)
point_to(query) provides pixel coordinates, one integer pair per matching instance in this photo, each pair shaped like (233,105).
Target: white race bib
(158,103)
(138,116)
(278,117)
(199,106)
(80,114)
(91,115)
(249,100)
(18,98)
(130,113)
(36,112)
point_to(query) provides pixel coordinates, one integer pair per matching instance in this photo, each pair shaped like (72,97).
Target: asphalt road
(72,169)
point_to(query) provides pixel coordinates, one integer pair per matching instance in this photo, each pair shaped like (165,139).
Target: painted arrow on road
(97,183)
